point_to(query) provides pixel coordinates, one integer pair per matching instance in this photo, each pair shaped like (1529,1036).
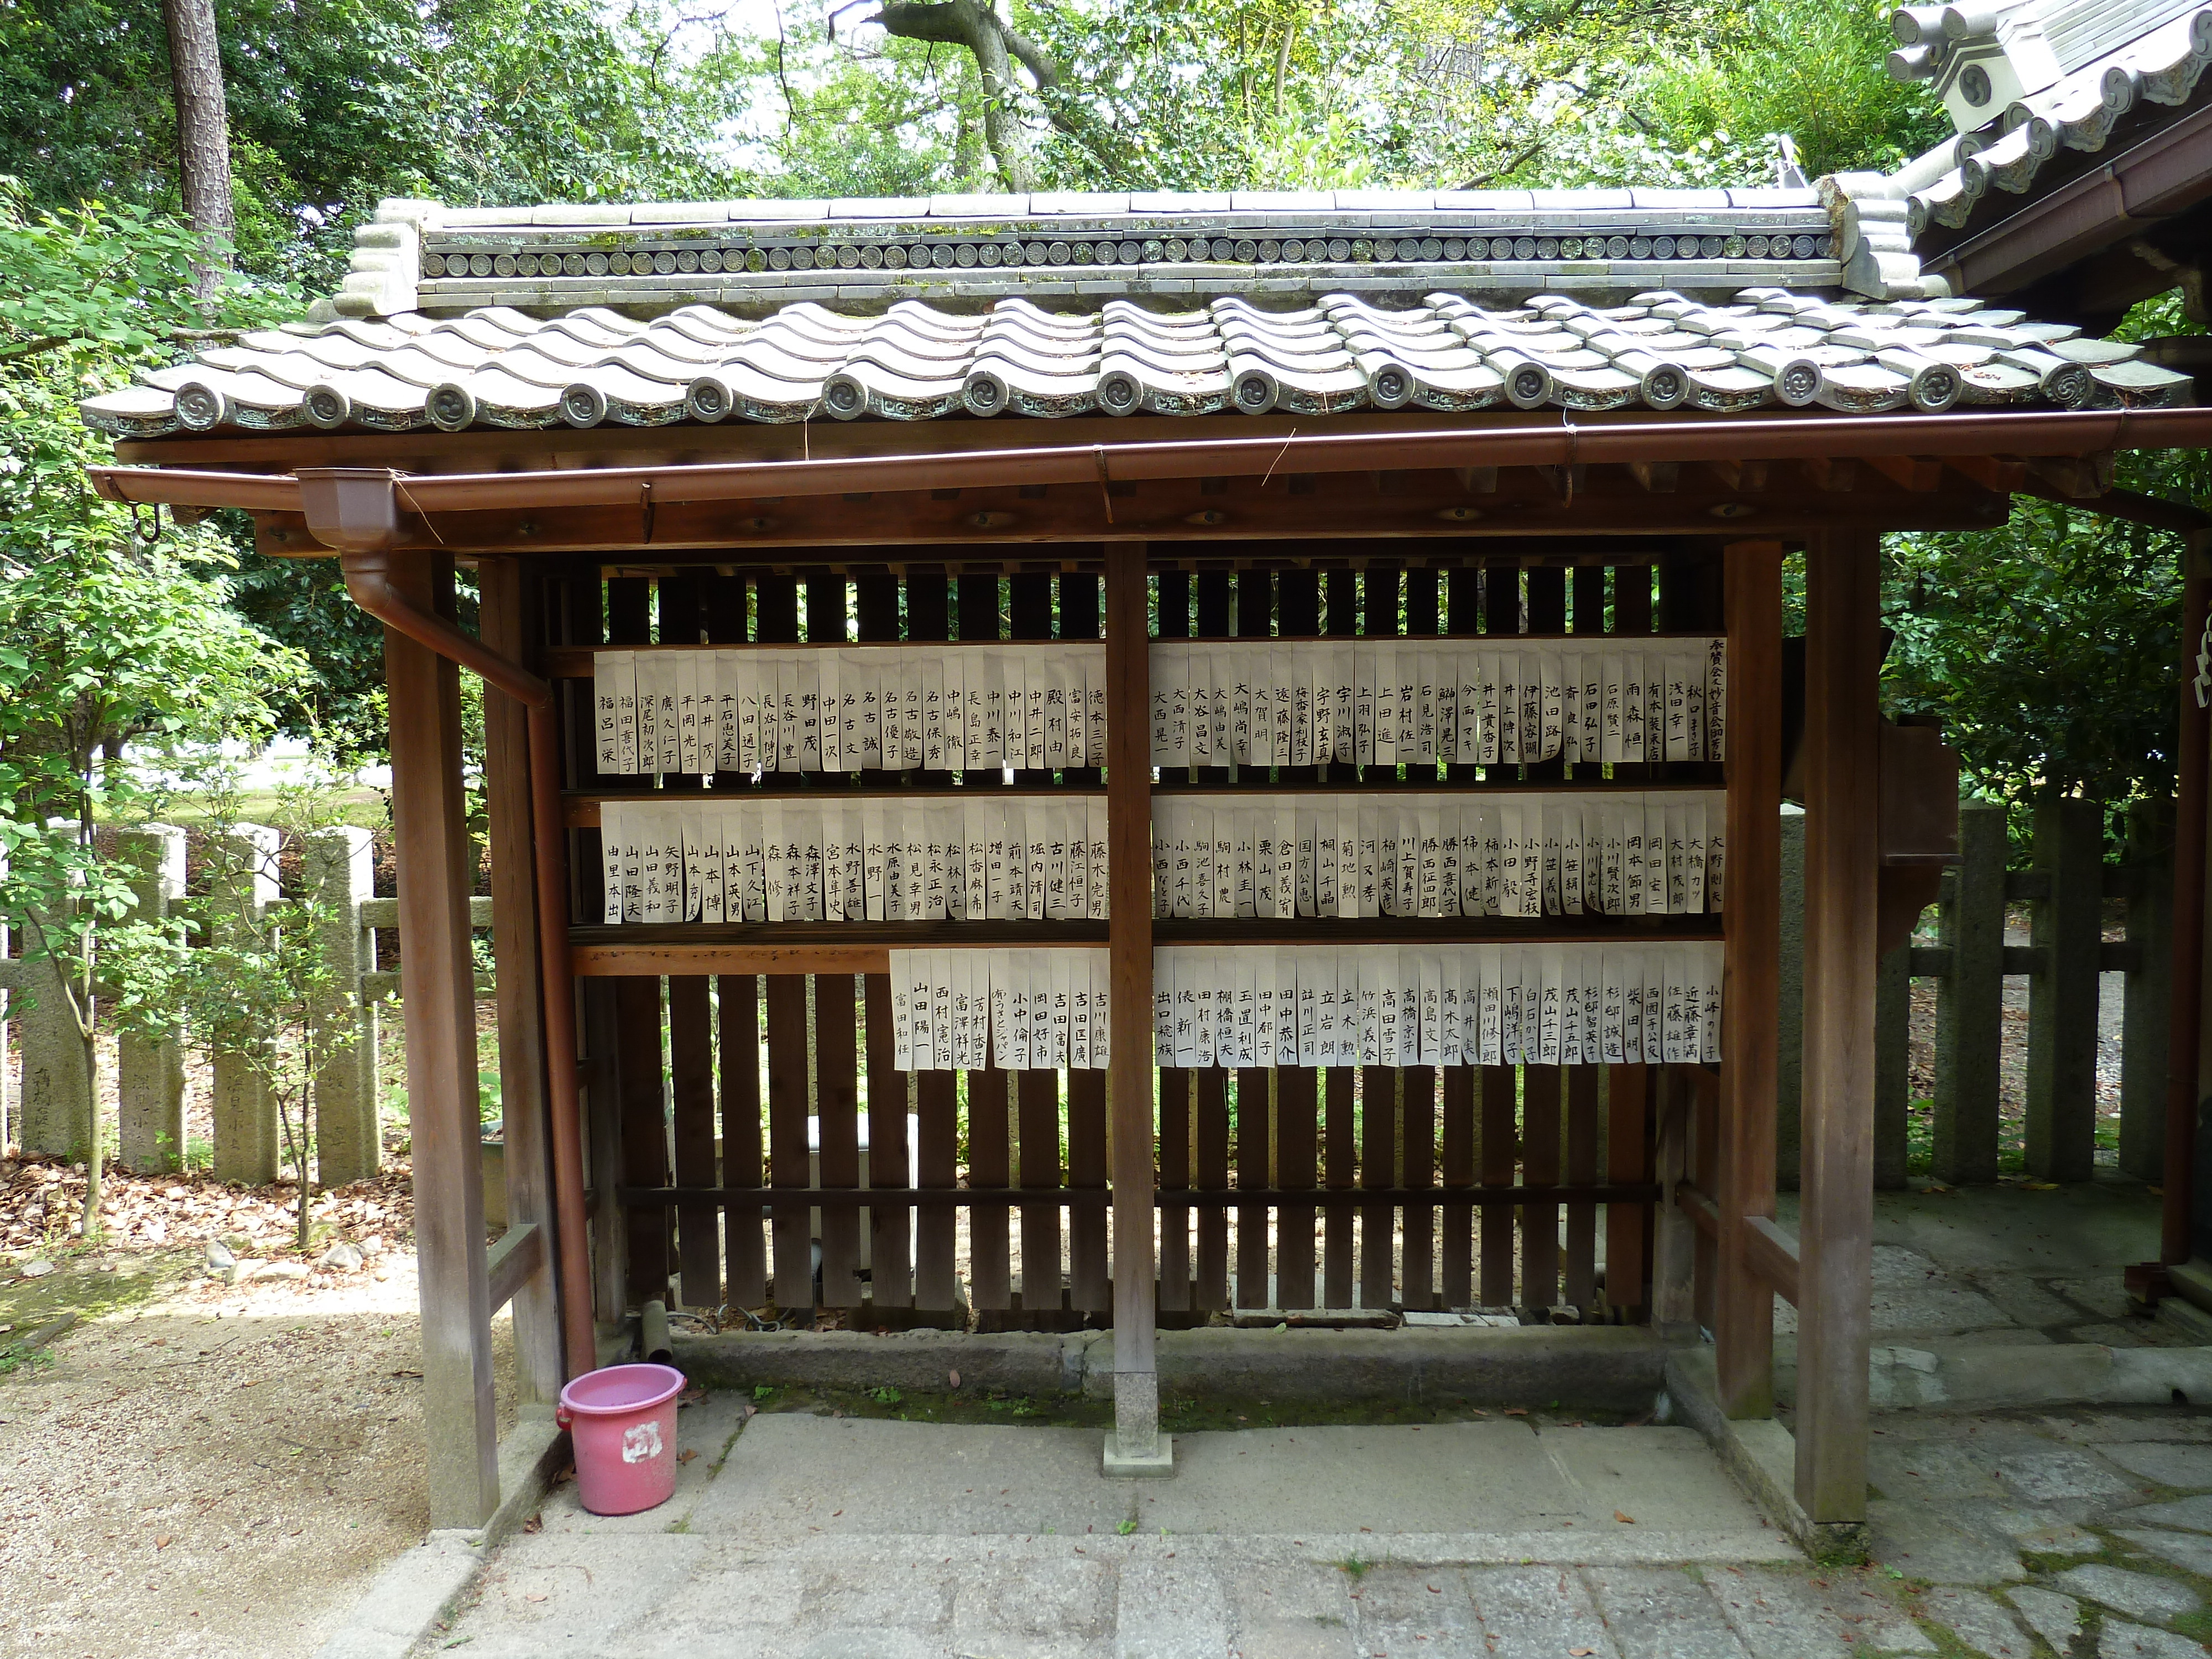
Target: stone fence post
(150,1077)
(245,1139)
(337,871)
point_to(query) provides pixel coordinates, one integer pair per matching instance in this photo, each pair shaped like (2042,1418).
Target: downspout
(355,510)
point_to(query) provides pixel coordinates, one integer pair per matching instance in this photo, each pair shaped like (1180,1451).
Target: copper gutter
(1770,437)
(352,509)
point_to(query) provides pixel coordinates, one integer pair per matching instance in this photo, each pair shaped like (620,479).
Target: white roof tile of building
(499,366)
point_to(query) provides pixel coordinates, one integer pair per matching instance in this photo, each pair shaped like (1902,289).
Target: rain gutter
(1567,443)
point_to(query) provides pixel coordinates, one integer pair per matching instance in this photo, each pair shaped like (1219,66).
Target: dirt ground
(196,1466)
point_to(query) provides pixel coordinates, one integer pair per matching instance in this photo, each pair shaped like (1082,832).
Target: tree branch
(1507,170)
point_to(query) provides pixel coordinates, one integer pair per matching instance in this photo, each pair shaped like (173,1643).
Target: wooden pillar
(430,841)
(510,617)
(1843,858)
(2184,1052)
(1751,972)
(1136,1446)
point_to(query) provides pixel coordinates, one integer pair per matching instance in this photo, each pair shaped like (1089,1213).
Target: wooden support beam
(1130,1152)
(1772,1255)
(1916,473)
(1990,471)
(1743,477)
(430,842)
(1843,860)
(2076,478)
(1834,476)
(1751,973)
(1657,478)
(1429,502)
(516,1257)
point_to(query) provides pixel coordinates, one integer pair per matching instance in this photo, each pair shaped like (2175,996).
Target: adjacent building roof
(2043,94)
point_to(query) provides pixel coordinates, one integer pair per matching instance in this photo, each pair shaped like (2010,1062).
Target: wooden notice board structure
(935,648)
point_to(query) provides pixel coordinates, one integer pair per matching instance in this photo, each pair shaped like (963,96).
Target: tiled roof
(1178,247)
(2078,111)
(499,367)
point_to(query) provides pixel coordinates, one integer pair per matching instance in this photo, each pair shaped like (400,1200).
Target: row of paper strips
(1017,1010)
(1644,853)
(1042,707)
(1482,702)
(1317,1005)
(826,708)
(1468,1005)
(865,858)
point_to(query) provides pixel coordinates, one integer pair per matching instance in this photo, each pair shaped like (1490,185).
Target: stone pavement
(796,1536)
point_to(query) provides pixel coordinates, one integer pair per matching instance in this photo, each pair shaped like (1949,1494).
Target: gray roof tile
(502,366)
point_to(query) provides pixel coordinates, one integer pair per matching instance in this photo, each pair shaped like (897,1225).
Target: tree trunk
(994,43)
(92,1186)
(203,128)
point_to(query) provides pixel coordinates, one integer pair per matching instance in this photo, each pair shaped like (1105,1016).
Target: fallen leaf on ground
(161,1540)
(1581,1653)
(1516,1411)
(955,1377)
(687,1454)
(1624,1520)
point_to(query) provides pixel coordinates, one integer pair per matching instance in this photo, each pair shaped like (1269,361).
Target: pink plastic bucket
(622,1421)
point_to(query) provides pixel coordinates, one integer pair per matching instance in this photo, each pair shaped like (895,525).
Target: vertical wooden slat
(1342,1157)
(1456,1221)
(793,1246)
(1211,1161)
(1418,1119)
(1175,1107)
(1540,1167)
(602,1149)
(1295,1171)
(1090,1290)
(1705,1118)
(1298,604)
(1499,1150)
(837,1130)
(738,1006)
(1843,852)
(1627,1158)
(937,1130)
(989,1164)
(1038,1100)
(432,845)
(511,616)
(1582,1171)
(691,1094)
(1252,1114)
(890,1231)
(644,1132)
(1378,1158)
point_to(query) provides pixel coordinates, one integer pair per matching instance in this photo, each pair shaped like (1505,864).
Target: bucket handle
(563,1416)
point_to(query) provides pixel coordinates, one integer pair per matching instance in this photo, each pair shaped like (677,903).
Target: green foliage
(336,103)
(2049,645)
(108,642)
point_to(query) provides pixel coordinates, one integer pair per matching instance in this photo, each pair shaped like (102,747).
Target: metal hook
(139,526)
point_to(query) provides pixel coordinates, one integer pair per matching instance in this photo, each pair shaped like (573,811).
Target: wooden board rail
(1162,1198)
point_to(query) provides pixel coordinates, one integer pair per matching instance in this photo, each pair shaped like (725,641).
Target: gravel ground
(211,1469)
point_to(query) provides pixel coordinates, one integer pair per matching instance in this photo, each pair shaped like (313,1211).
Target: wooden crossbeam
(1914,472)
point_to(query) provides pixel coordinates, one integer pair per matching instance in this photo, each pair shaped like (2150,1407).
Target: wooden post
(1790,999)
(430,842)
(1673,1237)
(2147,1018)
(1970,1000)
(1136,1446)
(1843,859)
(2185,1058)
(1751,973)
(2066,926)
(150,1077)
(510,617)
